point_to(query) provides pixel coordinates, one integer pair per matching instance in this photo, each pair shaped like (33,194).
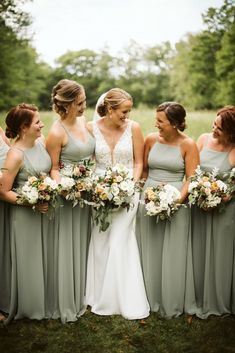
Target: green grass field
(197,122)
(113,334)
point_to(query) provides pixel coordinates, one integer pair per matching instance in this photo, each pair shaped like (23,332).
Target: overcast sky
(62,25)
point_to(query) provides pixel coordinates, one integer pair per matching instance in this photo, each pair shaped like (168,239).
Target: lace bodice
(122,152)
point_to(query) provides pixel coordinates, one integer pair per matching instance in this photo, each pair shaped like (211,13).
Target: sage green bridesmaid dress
(29,234)
(72,235)
(5,259)
(163,245)
(213,248)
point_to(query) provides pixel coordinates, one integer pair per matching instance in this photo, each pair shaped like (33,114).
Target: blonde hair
(63,94)
(113,98)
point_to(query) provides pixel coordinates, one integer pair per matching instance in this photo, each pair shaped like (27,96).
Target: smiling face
(217,129)
(78,106)
(119,115)
(34,129)
(163,124)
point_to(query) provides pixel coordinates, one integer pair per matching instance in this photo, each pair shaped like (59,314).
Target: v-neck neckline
(118,141)
(116,144)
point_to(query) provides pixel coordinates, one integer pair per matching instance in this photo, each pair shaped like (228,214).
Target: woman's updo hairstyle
(19,117)
(227,115)
(63,94)
(113,98)
(175,113)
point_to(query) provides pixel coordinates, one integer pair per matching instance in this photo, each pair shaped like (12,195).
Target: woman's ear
(110,110)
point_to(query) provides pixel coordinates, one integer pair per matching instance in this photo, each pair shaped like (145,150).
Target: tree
(180,80)
(225,64)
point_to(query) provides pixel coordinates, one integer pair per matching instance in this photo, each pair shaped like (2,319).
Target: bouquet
(110,192)
(76,181)
(36,190)
(206,190)
(230,181)
(161,201)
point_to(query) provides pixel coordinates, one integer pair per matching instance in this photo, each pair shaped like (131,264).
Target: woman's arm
(191,159)
(54,143)
(149,142)
(11,167)
(138,149)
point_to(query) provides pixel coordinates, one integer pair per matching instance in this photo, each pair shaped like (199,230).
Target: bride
(114,277)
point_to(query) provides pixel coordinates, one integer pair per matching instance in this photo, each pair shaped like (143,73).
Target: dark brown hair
(18,117)
(175,113)
(113,98)
(227,115)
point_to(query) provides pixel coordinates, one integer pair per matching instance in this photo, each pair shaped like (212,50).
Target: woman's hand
(42,207)
(226,198)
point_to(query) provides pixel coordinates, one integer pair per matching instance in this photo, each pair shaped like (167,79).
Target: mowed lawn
(197,122)
(114,334)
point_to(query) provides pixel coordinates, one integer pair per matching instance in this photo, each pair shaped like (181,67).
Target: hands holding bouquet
(161,201)
(206,190)
(110,192)
(39,192)
(76,183)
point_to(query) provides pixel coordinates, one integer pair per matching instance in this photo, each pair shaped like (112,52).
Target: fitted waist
(165,176)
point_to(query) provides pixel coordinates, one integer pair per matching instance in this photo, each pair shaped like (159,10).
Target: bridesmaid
(5,263)
(213,231)
(169,157)
(28,234)
(69,142)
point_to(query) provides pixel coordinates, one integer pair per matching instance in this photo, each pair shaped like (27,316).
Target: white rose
(206,184)
(192,185)
(50,182)
(67,183)
(115,189)
(151,208)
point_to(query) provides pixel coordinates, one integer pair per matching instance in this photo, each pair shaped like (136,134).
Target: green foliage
(22,77)
(198,72)
(202,72)
(201,69)
(179,73)
(225,67)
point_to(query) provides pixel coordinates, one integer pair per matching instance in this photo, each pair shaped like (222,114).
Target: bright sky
(62,25)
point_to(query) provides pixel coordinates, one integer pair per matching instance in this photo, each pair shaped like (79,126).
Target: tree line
(199,71)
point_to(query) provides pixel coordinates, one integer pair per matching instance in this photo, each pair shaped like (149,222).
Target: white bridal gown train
(114,276)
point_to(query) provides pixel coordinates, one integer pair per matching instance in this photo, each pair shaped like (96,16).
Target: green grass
(113,334)
(197,122)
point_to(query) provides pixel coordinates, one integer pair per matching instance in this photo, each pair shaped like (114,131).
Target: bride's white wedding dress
(114,277)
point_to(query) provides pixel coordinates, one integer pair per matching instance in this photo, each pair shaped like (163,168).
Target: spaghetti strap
(16,148)
(65,129)
(206,140)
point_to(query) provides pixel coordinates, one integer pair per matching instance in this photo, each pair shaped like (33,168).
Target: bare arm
(138,149)
(149,142)
(191,160)
(11,167)
(54,143)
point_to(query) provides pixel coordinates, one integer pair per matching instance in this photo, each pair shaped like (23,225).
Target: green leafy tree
(180,80)
(21,75)
(225,63)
